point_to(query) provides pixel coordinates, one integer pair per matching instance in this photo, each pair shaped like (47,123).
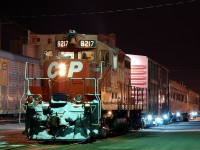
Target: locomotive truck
(83,92)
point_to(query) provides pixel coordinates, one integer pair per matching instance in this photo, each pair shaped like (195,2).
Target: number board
(61,43)
(87,43)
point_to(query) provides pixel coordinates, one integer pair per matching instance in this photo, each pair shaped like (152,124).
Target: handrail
(96,82)
(20,104)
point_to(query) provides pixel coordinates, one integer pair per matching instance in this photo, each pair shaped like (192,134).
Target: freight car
(85,91)
(165,99)
(184,102)
(153,77)
(12,81)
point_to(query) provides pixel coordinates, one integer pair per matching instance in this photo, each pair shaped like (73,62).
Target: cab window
(104,56)
(66,55)
(88,55)
(47,54)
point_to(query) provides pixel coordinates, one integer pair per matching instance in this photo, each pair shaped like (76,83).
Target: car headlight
(165,116)
(158,120)
(149,117)
(178,114)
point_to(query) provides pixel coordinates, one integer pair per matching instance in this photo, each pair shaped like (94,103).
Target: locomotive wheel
(124,129)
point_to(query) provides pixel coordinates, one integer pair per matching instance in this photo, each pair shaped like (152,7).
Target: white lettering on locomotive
(50,68)
(75,66)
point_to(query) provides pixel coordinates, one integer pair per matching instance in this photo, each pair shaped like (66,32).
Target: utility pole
(2,23)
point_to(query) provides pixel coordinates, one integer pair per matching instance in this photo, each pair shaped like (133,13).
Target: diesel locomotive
(84,91)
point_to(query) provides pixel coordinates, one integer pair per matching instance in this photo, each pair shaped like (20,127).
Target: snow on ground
(10,126)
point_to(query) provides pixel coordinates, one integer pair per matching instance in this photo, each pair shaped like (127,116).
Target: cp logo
(75,66)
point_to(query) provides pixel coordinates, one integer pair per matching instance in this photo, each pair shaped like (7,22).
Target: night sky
(167,31)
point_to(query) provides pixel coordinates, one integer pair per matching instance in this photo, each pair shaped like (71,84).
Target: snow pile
(72,122)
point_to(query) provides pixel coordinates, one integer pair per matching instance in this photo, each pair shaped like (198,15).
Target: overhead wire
(105,12)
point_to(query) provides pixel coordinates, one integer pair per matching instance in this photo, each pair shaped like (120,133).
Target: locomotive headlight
(62,69)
